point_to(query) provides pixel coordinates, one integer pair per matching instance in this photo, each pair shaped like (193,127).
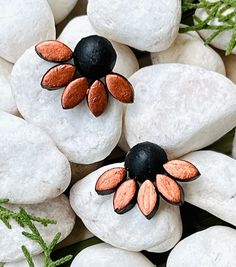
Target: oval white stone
(215,190)
(38,262)
(61,8)
(190,49)
(7,102)
(126,63)
(134,232)
(23,24)
(12,239)
(104,255)
(213,247)
(82,137)
(179,107)
(222,40)
(32,169)
(146,25)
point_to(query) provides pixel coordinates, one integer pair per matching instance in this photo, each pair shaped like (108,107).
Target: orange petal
(148,200)
(125,196)
(169,189)
(58,76)
(54,51)
(74,93)
(120,88)
(97,98)
(110,180)
(181,170)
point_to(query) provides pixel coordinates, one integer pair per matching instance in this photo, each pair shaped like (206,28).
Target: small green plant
(223,11)
(26,220)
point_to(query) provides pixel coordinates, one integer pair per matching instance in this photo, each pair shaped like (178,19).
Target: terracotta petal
(120,88)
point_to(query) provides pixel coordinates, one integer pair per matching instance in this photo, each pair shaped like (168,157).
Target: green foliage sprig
(223,11)
(24,219)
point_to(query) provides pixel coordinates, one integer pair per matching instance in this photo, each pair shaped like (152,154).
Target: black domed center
(145,161)
(94,57)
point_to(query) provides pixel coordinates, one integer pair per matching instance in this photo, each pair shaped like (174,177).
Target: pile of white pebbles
(185,100)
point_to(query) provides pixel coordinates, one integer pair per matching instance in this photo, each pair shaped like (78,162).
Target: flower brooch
(146,175)
(90,76)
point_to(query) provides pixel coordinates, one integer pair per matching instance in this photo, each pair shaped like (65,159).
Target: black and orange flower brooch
(146,175)
(90,75)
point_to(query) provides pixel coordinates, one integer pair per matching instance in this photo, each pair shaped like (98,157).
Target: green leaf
(27,256)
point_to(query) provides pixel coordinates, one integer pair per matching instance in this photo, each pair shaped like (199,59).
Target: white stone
(145,25)
(23,24)
(104,255)
(80,27)
(7,102)
(189,49)
(230,66)
(215,190)
(222,40)
(32,169)
(82,137)
(213,247)
(180,107)
(130,231)
(12,239)
(61,8)
(38,262)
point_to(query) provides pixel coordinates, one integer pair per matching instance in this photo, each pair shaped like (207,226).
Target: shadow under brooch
(146,175)
(90,76)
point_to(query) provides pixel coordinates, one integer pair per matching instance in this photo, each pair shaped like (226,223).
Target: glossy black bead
(145,161)
(94,57)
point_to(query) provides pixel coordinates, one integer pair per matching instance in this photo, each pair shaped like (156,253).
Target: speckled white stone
(7,103)
(222,40)
(61,8)
(80,27)
(215,190)
(130,231)
(213,247)
(23,24)
(146,25)
(82,137)
(190,49)
(32,169)
(38,262)
(180,107)
(12,240)
(104,255)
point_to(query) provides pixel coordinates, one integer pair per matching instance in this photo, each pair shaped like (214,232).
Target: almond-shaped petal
(125,196)
(58,76)
(171,191)
(97,98)
(120,88)
(181,170)
(148,199)
(54,51)
(74,93)
(110,180)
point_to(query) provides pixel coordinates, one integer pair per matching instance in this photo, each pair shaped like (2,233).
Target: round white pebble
(12,239)
(213,247)
(32,169)
(190,49)
(179,107)
(80,27)
(23,24)
(214,191)
(61,8)
(104,255)
(145,25)
(133,231)
(7,102)
(82,137)
(38,262)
